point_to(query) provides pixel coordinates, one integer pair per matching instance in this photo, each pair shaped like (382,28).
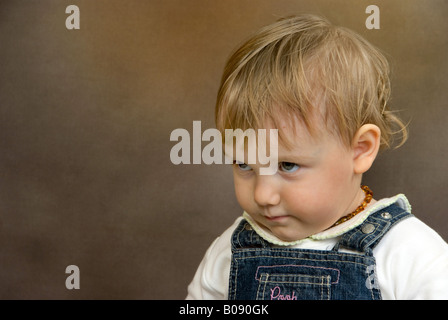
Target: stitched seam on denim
(360,237)
(321,283)
(321,288)
(235,278)
(377,236)
(361,264)
(264,286)
(239,235)
(353,262)
(300,265)
(326,253)
(298,250)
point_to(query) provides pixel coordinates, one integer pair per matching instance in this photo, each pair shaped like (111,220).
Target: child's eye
(242,166)
(288,167)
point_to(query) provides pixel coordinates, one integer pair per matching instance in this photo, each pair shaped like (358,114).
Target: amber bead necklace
(362,206)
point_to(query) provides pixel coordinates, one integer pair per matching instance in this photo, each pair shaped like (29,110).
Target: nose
(266,191)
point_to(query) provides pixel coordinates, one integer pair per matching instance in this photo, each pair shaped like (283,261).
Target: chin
(289,237)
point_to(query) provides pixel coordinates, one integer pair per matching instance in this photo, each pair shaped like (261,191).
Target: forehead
(294,132)
(294,137)
(298,143)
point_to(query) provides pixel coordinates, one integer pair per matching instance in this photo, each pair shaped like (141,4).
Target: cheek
(322,195)
(340,180)
(242,192)
(316,209)
(336,175)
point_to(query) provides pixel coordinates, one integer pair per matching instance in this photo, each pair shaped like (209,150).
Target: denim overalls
(261,272)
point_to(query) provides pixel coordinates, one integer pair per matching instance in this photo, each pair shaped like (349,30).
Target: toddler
(311,230)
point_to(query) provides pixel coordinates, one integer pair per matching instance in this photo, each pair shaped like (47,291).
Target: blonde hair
(303,64)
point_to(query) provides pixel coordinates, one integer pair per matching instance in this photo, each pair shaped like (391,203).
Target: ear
(365,146)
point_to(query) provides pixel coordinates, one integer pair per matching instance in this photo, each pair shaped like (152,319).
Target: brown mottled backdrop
(85,123)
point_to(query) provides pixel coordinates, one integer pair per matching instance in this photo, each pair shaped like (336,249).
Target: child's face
(314,186)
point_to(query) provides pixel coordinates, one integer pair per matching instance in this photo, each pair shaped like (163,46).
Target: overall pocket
(295,282)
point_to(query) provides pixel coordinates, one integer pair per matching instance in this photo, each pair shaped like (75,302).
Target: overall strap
(245,237)
(366,236)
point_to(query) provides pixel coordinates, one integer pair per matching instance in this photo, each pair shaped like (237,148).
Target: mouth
(276,218)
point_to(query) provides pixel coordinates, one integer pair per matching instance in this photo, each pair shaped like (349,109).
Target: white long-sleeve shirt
(411,259)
